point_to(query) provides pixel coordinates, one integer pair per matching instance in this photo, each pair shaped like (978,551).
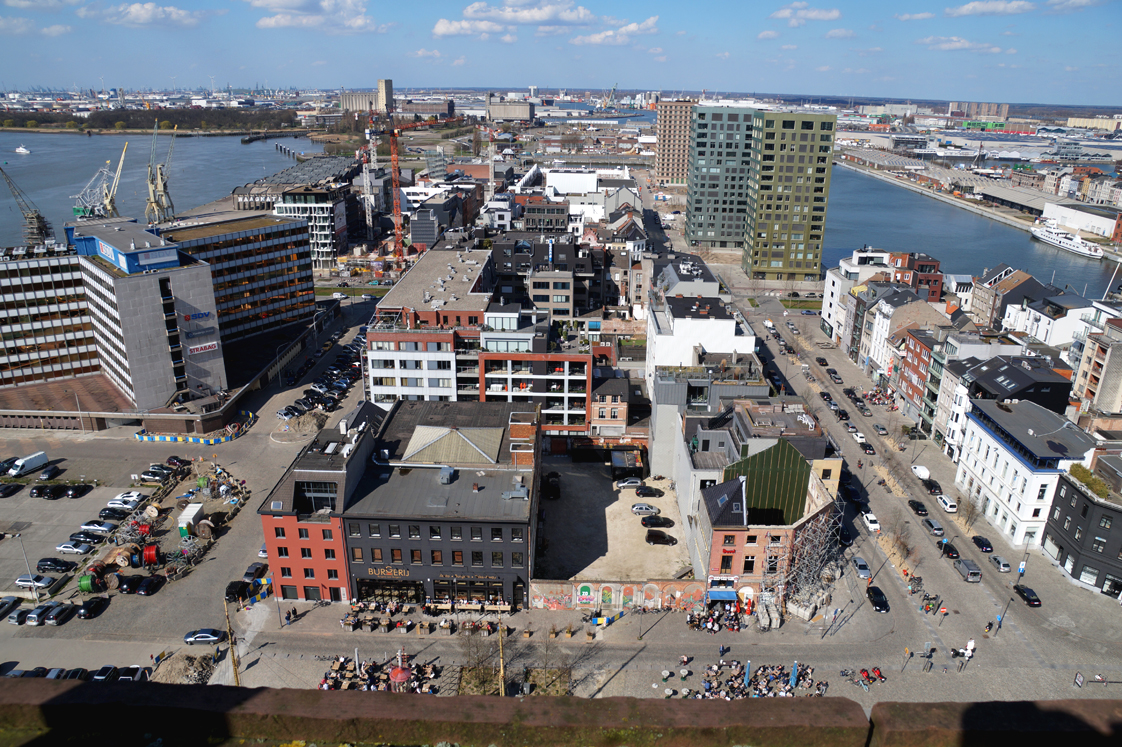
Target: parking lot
(592,534)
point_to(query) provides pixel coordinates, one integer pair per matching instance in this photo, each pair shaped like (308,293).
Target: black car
(946,550)
(868,449)
(933,487)
(235,591)
(92,607)
(877,598)
(9,489)
(1028,595)
(845,537)
(75,491)
(37,672)
(982,543)
(657,537)
(47,492)
(53,565)
(150,586)
(77,674)
(918,508)
(645,491)
(656,521)
(174,461)
(551,489)
(50,472)
(128,584)
(89,538)
(107,673)
(842,415)
(826,396)
(821,361)
(113,514)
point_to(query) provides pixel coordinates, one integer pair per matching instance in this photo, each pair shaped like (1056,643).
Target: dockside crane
(99,198)
(159,207)
(36,228)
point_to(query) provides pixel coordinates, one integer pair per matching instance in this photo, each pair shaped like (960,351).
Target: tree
(202,124)
(30,123)
(9,123)
(475,143)
(120,125)
(72,125)
(969,510)
(165,125)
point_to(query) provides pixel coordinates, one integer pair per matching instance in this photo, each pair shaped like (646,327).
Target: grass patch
(753,303)
(799,303)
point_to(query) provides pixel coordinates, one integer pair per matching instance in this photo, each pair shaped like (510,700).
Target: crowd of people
(346,674)
(721,616)
(727,681)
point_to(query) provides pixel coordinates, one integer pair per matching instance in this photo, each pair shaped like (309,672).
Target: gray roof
(697,308)
(313,171)
(1008,374)
(123,234)
(720,501)
(1042,432)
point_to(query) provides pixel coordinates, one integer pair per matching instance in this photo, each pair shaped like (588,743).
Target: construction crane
(393,133)
(610,101)
(36,228)
(370,163)
(159,207)
(99,198)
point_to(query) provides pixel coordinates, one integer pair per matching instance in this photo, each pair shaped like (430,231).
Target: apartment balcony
(467,370)
(577,389)
(465,352)
(1091,321)
(473,390)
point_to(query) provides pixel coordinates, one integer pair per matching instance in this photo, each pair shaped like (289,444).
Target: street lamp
(276,360)
(34,588)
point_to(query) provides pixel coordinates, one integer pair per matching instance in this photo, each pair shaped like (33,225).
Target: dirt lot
(592,534)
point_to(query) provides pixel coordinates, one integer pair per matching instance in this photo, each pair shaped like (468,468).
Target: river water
(863,210)
(59,166)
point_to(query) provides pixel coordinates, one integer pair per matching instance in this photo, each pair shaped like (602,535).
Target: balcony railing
(1090,320)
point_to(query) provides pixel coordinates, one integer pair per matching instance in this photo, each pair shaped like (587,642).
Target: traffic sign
(1021,568)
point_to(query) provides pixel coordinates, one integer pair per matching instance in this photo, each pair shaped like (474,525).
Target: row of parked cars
(51,612)
(324,394)
(105,674)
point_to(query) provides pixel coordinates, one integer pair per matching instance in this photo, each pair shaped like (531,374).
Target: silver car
(862,568)
(644,509)
(1000,563)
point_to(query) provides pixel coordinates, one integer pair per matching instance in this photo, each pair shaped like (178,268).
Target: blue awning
(722,595)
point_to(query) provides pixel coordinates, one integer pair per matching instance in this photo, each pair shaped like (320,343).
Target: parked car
(236,591)
(254,572)
(149,476)
(53,565)
(38,616)
(102,527)
(871,522)
(47,492)
(1000,563)
(933,487)
(982,543)
(658,537)
(845,537)
(821,361)
(644,509)
(92,607)
(129,500)
(877,599)
(88,538)
(862,568)
(77,674)
(880,429)
(114,514)
(164,469)
(1027,594)
(50,472)
(174,461)
(645,491)
(284,415)
(8,489)
(128,584)
(630,482)
(946,549)
(150,585)
(934,527)
(7,604)
(656,521)
(918,508)
(76,491)
(135,674)
(35,582)
(74,548)
(264,551)
(204,635)
(36,673)
(61,614)
(868,449)
(107,673)
(826,396)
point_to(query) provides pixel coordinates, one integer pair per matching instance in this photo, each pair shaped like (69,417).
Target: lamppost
(34,588)
(276,360)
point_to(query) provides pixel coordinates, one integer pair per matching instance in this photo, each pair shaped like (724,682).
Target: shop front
(409,586)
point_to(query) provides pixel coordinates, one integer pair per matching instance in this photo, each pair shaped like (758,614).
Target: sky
(1017,51)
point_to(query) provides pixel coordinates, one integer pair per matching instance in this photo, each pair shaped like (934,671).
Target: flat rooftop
(425,434)
(217,218)
(95,393)
(312,171)
(697,308)
(1043,432)
(123,234)
(443,280)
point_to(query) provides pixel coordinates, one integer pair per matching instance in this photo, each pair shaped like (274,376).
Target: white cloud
(145,14)
(459,61)
(16,26)
(660,59)
(550,30)
(858,71)
(444,27)
(619,36)
(722,55)
(797,14)
(957,43)
(433,53)
(768,35)
(1070,69)
(508,39)
(913,16)
(679,33)
(1010,51)
(1064,6)
(991,8)
(518,12)
(869,51)
(332,16)
(823,69)
(655,50)
(56,30)
(789,46)
(840,34)
(40,4)
(1009,33)
(319,63)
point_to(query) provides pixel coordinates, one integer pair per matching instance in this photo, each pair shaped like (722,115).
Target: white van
(29,464)
(947,503)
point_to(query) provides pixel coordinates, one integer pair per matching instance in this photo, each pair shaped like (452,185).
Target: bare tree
(475,649)
(899,537)
(969,511)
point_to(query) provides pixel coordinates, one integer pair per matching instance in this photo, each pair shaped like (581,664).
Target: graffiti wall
(605,595)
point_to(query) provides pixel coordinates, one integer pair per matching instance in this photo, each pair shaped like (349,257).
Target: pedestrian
(293,613)
(287,618)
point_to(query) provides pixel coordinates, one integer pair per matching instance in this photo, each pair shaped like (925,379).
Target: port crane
(99,198)
(610,101)
(36,228)
(159,207)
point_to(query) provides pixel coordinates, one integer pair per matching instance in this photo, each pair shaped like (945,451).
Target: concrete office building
(380,100)
(759,181)
(145,296)
(508,111)
(672,152)
(324,209)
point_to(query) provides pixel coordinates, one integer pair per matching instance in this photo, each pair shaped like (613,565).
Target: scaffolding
(810,566)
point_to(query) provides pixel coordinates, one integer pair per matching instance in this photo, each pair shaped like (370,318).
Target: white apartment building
(1013,455)
(850,271)
(678,329)
(1053,320)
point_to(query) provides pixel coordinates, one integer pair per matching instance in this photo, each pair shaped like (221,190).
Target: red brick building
(919,272)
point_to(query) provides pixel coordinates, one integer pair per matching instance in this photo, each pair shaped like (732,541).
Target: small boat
(1050,233)
(23,150)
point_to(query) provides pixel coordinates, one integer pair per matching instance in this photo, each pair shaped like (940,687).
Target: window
(353,529)
(477,558)
(356,554)
(1056,514)
(749,564)
(329,554)
(309,573)
(457,533)
(328,536)
(750,539)
(395,556)
(603,413)
(826,474)
(730,540)
(772,563)
(286,572)
(1099,544)
(278,532)
(615,413)
(774,539)
(516,534)
(374,530)
(1067,522)
(282,552)
(414,531)
(303,533)
(415,557)
(458,557)
(376,555)
(332,574)
(1079,533)
(395,531)
(496,560)
(477,534)
(726,564)
(437,557)
(496,534)
(1104,522)
(1083,513)
(560,299)
(305,552)
(517,560)
(434,531)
